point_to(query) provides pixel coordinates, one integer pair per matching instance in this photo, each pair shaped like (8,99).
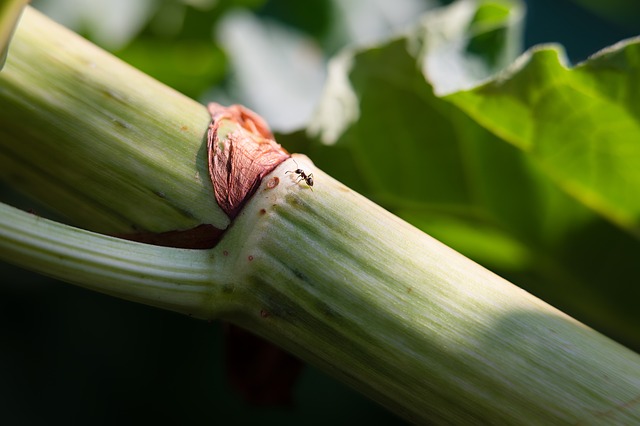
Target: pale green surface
(175,279)
(10,11)
(343,283)
(85,133)
(351,288)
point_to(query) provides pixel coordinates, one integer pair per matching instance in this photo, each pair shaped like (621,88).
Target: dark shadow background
(70,356)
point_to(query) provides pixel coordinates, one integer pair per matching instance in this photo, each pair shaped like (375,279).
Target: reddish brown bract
(241,151)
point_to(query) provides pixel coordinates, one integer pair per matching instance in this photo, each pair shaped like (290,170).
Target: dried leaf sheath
(241,151)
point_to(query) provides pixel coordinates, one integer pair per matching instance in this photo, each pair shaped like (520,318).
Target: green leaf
(468,41)
(406,123)
(580,125)
(189,66)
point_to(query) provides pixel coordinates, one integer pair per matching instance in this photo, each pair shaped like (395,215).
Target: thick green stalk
(85,133)
(10,10)
(346,285)
(351,288)
(186,281)
(326,274)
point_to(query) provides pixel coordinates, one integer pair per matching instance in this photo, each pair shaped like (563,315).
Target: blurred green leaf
(313,17)
(189,66)
(477,168)
(581,125)
(624,12)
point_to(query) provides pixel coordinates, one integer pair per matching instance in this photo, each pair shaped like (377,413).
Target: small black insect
(302,175)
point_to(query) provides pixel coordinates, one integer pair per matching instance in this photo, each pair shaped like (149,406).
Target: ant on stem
(302,175)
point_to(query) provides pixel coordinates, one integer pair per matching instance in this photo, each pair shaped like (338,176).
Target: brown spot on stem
(264,313)
(225,253)
(262,212)
(250,258)
(273,182)
(241,151)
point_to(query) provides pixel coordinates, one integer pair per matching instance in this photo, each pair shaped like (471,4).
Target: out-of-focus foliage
(624,12)
(271,55)
(171,40)
(268,55)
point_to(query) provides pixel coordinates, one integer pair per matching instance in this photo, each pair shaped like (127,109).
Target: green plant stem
(77,123)
(10,11)
(346,285)
(185,281)
(349,287)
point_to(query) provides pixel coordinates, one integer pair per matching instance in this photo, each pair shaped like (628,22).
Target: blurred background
(68,355)
(271,55)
